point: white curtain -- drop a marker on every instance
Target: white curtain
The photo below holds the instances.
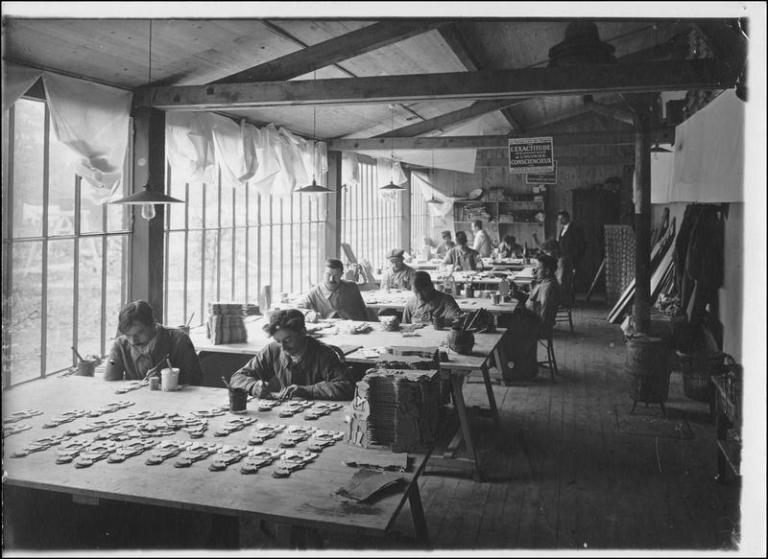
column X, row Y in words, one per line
column 423, row 183
column 93, row 121
column 274, row 161
column 189, row 146
column 350, row 172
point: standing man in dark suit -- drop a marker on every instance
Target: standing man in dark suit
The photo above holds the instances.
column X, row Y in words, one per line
column 571, row 241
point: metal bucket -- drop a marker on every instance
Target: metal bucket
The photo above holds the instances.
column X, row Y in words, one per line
column 647, row 364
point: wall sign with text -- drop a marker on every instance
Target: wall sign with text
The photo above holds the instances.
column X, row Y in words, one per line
column 531, row 155
column 542, row 178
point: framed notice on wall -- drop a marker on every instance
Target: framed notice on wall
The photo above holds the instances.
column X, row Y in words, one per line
column 531, row 155
column 543, row 178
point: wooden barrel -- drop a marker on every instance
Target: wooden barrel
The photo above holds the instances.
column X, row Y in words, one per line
column 647, row 364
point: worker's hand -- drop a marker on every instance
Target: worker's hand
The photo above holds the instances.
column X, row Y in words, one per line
column 293, row 391
column 260, row 389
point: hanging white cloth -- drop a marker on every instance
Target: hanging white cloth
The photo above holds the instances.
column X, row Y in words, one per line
column 189, row 146
column 16, row 81
column 422, row 183
column 350, row 171
column 96, row 131
column 234, row 149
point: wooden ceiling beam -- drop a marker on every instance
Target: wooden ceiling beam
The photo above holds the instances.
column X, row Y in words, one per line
column 334, row 50
column 453, row 36
column 497, row 84
column 454, row 117
column 661, row 134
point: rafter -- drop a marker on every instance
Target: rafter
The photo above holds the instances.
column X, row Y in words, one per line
column 498, row 84
column 454, row 117
column 453, row 36
column 662, row 135
column 334, row 50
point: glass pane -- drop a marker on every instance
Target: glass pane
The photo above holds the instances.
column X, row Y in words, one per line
column 240, row 204
column 117, row 248
column 225, row 264
column 61, row 261
column 24, row 322
column 227, row 207
column 211, row 257
column 117, row 214
column 91, row 212
column 28, row 140
column 177, row 211
column 194, row 277
column 253, row 265
column 61, row 189
column 266, row 205
column 195, row 200
column 241, row 264
column 211, row 205
column 253, row 206
column 89, row 298
column 265, row 264
column 175, row 280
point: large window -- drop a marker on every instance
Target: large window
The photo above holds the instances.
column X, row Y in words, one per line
column 229, row 241
column 64, row 268
column 421, row 220
column 371, row 223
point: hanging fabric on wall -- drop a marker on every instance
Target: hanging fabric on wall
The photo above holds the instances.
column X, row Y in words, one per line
column 96, row 131
column 189, row 146
column 350, row 172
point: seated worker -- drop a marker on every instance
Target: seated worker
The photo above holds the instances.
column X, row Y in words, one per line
column 544, row 296
column 462, row 257
column 335, row 297
column 530, row 322
column 428, row 303
column 399, row 275
column 508, row 248
column 446, row 245
column 144, row 345
column 294, row 364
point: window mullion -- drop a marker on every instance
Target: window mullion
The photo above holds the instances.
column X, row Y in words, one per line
column 8, row 247
column 76, row 271
column 44, row 245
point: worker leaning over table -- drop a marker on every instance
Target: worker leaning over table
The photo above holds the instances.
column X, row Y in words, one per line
column 399, row 275
column 427, row 303
column 144, row 345
column 335, row 297
column 294, row 364
column 461, row 257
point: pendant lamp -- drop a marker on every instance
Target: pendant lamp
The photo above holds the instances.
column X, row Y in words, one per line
column 392, row 185
column 148, row 196
column 314, row 188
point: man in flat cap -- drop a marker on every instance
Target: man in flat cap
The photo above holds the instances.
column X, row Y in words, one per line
column 399, row 275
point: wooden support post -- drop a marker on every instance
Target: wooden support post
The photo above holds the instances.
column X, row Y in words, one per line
column 405, row 220
column 333, row 220
column 147, row 246
column 641, row 310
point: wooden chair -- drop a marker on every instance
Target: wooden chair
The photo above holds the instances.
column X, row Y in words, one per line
column 551, row 362
column 565, row 308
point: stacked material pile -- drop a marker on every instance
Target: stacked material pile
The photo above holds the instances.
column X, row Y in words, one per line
column 396, row 407
column 225, row 323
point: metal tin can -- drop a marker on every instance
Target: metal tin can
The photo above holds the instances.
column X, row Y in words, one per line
column 154, row 383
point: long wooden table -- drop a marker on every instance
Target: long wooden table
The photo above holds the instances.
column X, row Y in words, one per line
column 306, row 499
column 367, row 348
column 398, row 299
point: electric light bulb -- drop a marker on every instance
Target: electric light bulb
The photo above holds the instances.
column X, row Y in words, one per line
column 148, row 211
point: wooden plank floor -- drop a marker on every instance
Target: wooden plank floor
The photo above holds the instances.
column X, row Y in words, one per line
column 564, row 475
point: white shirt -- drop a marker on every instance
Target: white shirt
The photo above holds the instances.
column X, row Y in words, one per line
column 563, row 230
column 482, row 243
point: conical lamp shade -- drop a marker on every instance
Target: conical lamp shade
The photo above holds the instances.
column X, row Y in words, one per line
column 433, row 201
column 313, row 188
column 147, row 197
column 391, row 186
column 658, row 149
